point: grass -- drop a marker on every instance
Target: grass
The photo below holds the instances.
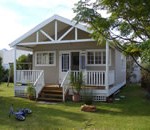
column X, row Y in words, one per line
column 130, row 113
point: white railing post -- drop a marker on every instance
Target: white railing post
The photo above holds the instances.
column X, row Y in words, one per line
column 39, row 83
column 15, row 65
column 85, row 76
column 65, row 84
column 63, row 93
column 27, row 76
column 107, row 67
column 35, row 77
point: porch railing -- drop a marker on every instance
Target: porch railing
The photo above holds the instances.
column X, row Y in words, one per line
column 35, row 77
column 96, row 78
column 65, row 84
column 27, row 76
column 76, row 74
column 39, row 83
column 91, row 78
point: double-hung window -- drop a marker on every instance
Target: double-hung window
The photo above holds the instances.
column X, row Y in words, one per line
column 97, row 57
column 45, row 58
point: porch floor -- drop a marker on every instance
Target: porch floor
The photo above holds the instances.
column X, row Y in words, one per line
column 98, row 87
column 52, row 85
column 88, row 87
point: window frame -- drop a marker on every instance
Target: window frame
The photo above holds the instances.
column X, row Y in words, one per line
column 48, row 52
column 101, row 51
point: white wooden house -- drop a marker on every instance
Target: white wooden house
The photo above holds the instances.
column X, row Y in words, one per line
column 61, row 46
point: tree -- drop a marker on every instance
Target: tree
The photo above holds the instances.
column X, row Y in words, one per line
column 24, row 61
column 3, row 72
column 126, row 24
column 1, row 69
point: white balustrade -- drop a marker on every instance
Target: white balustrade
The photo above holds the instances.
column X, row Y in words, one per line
column 76, row 74
column 65, row 84
column 27, row 76
column 39, row 83
column 91, row 78
column 35, row 77
column 95, row 78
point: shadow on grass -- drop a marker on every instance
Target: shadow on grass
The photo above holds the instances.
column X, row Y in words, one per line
column 48, row 116
column 134, row 104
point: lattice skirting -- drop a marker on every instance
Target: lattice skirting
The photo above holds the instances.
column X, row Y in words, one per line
column 97, row 98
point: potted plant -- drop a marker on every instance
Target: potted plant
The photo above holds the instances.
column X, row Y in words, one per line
column 76, row 82
column 30, row 90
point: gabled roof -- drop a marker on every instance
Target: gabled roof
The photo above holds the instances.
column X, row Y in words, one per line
column 44, row 23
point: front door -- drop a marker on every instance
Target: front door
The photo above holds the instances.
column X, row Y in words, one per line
column 75, row 61
column 64, row 65
column 68, row 61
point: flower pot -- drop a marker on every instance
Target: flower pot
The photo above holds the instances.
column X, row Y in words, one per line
column 31, row 97
column 76, row 98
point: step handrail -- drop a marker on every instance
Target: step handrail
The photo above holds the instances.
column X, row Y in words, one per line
column 65, row 84
column 39, row 83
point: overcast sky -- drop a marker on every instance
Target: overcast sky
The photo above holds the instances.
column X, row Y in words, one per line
column 19, row 16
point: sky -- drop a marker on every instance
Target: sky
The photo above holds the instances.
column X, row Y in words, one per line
column 19, row 16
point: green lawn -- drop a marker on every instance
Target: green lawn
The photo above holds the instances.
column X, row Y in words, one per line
column 131, row 113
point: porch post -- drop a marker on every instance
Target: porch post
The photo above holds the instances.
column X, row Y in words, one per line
column 15, row 66
column 56, row 30
column 107, row 67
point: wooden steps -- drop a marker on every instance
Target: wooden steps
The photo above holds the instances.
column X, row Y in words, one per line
column 51, row 93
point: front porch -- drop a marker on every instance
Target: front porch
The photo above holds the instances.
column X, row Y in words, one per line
column 92, row 79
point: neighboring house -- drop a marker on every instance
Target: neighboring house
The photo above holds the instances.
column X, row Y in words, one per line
column 60, row 46
column 133, row 71
column 136, row 74
column 2, row 56
column 8, row 56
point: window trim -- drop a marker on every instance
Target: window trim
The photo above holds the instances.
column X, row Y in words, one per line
column 97, row 50
column 39, row 52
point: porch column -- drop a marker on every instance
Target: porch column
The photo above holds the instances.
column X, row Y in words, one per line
column 107, row 67
column 56, row 30
column 15, row 66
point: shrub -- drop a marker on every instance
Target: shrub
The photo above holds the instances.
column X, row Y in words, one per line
column 87, row 96
column 31, row 92
column 76, row 82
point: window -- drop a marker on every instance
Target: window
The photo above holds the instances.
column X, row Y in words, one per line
column 90, row 58
column 45, row 58
column 65, row 62
column 51, row 58
column 97, row 57
column 82, row 62
column 104, row 57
